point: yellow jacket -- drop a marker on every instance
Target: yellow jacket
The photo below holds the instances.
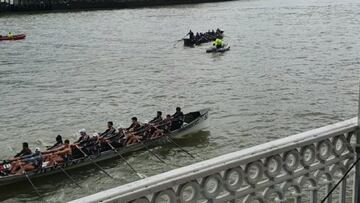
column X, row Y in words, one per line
column 218, row 42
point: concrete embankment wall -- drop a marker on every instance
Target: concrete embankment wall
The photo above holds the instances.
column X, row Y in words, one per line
column 48, row 5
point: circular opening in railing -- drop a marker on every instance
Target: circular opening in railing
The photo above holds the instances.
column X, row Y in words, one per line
column 339, row 143
column 164, row 199
column 189, row 192
column 308, row 155
column 273, row 165
column 292, row 159
column 324, row 149
column 254, row 172
column 167, row 196
column 212, row 186
column 234, row 179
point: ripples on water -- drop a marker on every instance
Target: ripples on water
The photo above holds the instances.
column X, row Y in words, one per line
column 293, row 66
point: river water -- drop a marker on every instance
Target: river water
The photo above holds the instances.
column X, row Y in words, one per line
column 293, row 66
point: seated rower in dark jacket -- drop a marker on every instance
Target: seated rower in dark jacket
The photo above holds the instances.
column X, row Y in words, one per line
column 110, row 131
column 178, row 119
column 59, row 142
column 25, row 151
column 135, row 125
column 132, row 136
column 157, row 119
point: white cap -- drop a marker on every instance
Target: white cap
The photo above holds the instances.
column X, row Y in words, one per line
column 95, row 134
column 82, row 130
column 37, row 149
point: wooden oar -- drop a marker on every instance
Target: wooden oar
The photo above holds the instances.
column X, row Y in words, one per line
column 182, row 149
column 92, row 161
column 177, row 41
column 31, row 183
column 150, row 150
column 132, row 168
column 68, row 175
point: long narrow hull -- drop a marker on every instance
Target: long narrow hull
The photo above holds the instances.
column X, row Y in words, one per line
column 194, row 126
column 15, row 37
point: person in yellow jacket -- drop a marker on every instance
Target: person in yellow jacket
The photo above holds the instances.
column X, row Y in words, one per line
column 218, row 43
column 10, row 35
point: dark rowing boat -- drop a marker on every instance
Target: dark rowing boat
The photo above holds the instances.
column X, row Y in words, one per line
column 205, row 38
column 194, row 122
column 14, row 37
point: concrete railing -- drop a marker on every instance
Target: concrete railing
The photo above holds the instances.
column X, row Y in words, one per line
column 295, row 167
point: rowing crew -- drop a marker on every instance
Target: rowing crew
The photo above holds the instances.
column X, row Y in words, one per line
column 63, row 151
column 200, row 36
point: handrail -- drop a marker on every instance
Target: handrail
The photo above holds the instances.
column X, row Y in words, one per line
column 255, row 157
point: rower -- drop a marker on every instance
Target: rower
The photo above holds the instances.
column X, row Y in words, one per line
column 10, row 35
column 83, row 137
column 218, row 43
column 197, row 36
column 191, row 35
column 61, row 154
column 135, row 125
column 109, row 136
column 109, row 131
column 25, row 151
column 133, row 136
column 59, row 142
column 163, row 128
column 28, row 163
column 178, row 119
column 157, row 119
column 92, row 147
